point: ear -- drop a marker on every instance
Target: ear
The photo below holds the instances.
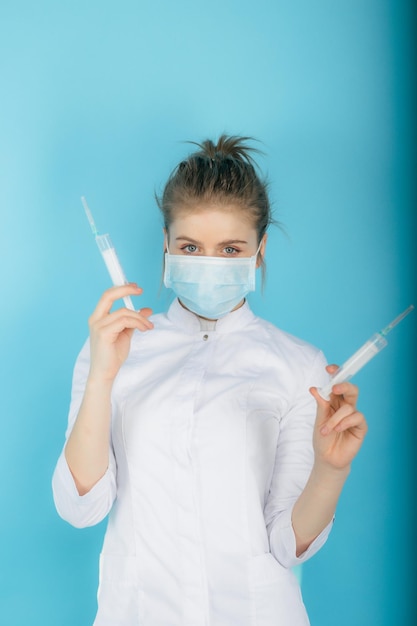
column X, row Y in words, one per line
column 164, row 230
column 261, row 253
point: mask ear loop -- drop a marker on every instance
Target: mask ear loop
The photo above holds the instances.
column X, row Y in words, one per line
column 261, row 265
column 257, row 252
column 161, row 284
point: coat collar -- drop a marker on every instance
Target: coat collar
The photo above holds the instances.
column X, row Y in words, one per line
column 190, row 323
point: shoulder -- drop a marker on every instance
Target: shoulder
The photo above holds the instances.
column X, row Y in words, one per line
column 292, row 364
column 285, row 344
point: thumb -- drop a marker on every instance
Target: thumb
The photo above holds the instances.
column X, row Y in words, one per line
column 322, row 404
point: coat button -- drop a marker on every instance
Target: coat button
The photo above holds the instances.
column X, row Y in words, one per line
column 205, row 337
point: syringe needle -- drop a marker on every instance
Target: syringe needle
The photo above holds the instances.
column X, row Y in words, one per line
column 89, row 216
column 397, row 320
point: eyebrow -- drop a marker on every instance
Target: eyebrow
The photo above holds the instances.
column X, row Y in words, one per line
column 221, row 243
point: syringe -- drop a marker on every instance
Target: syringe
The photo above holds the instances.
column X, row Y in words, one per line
column 109, row 255
column 361, row 357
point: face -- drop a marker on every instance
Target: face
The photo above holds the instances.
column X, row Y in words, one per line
column 213, row 231
column 216, row 232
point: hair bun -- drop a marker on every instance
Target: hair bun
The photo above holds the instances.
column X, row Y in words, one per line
column 227, row 146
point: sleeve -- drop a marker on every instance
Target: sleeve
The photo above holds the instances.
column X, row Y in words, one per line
column 91, row 508
column 293, row 462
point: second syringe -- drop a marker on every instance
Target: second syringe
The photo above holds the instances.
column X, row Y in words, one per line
column 110, row 258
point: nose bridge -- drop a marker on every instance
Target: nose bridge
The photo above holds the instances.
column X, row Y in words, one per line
column 210, row 251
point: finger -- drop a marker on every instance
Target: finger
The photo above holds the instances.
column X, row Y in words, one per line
column 321, row 402
column 122, row 316
column 349, row 392
column 110, row 296
column 355, row 420
column 146, row 312
column 330, row 424
column 332, row 368
column 125, row 321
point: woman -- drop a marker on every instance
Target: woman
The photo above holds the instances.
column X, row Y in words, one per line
column 203, row 434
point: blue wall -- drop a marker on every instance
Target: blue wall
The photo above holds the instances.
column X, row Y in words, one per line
column 96, row 98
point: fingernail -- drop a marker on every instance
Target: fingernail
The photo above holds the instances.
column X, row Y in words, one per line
column 324, row 430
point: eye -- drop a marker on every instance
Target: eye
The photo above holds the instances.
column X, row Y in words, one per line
column 190, row 248
column 230, row 250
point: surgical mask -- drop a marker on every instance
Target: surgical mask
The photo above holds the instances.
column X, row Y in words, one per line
column 210, row 286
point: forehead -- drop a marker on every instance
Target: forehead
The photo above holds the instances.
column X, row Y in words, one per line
column 211, row 218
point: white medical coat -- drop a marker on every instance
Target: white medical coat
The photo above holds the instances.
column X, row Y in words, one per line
column 211, row 445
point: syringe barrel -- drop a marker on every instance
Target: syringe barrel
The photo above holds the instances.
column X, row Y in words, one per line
column 113, row 265
column 104, row 243
column 360, row 358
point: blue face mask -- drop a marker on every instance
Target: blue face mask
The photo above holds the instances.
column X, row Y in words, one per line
column 210, row 286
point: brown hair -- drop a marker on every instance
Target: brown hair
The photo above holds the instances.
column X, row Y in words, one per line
column 221, row 173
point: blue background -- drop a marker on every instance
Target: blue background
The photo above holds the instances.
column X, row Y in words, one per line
column 96, row 99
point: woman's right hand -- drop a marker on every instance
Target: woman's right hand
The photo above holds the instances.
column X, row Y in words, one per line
column 111, row 332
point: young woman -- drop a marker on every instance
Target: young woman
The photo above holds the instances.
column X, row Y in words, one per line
column 203, row 435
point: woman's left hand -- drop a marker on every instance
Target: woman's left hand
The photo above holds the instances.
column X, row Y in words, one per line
column 340, row 429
